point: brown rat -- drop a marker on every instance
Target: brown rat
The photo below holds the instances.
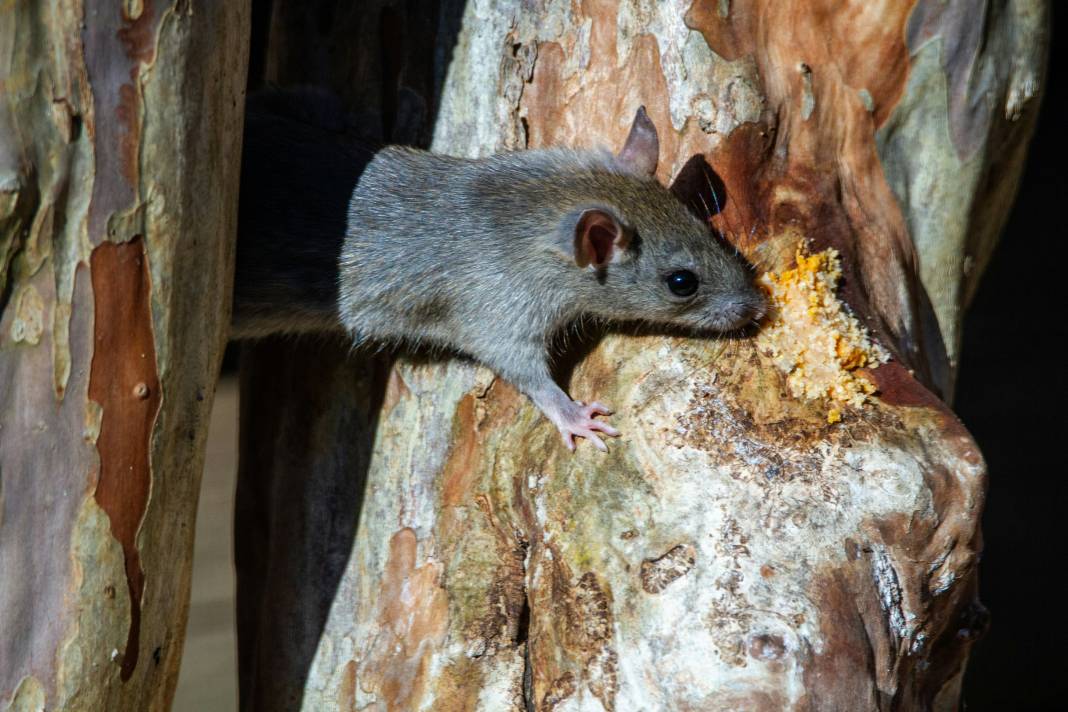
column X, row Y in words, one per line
column 494, row 257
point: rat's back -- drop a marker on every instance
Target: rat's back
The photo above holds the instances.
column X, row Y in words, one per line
column 441, row 249
column 403, row 264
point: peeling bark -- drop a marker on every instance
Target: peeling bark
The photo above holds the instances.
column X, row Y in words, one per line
column 119, row 139
column 734, row 550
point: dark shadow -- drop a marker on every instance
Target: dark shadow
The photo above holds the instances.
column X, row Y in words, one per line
column 307, row 422
column 300, row 165
column 1011, row 393
column 329, row 81
column 308, row 415
column 260, row 23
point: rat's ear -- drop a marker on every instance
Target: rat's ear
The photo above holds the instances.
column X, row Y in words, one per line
column 642, row 149
column 599, row 238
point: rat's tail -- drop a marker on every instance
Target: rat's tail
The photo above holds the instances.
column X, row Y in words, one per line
column 300, row 165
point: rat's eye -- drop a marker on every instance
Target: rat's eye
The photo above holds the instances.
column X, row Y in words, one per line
column 682, row 283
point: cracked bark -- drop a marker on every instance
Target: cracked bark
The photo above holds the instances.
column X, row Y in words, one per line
column 413, row 536
column 119, row 139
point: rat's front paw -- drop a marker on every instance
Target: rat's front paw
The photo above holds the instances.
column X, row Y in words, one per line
column 578, row 421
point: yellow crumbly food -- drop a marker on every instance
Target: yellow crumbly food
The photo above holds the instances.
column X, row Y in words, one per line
column 814, row 338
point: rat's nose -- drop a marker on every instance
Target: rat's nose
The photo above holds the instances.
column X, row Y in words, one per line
column 741, row 310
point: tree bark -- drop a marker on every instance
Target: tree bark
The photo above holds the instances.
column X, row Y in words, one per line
column 120, row 129
column 736, row 549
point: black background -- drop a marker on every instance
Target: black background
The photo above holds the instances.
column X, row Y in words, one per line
column 1011, row 394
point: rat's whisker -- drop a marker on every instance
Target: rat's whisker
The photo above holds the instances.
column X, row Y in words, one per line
column 708, row 212
column 715, row 198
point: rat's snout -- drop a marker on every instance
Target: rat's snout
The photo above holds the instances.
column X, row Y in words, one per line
column 757, row 303
column 738, row 310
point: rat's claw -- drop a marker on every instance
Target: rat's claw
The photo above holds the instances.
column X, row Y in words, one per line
column 603, row 428
column 588, row 433
column 569, row 439
column 597, row 442
column 597, row 409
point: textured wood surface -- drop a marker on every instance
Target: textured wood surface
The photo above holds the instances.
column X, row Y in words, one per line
column 119, row 140
column 734, row 550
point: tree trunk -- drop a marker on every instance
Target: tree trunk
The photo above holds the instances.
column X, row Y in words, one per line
column 119, row 141
column 756, row 539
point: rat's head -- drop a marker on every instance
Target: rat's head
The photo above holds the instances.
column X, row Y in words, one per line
column 652, row 259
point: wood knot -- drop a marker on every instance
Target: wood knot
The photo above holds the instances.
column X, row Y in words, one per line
column 657, row 573
column 766, row 647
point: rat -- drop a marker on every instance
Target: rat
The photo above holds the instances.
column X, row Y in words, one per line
column 491, row 257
